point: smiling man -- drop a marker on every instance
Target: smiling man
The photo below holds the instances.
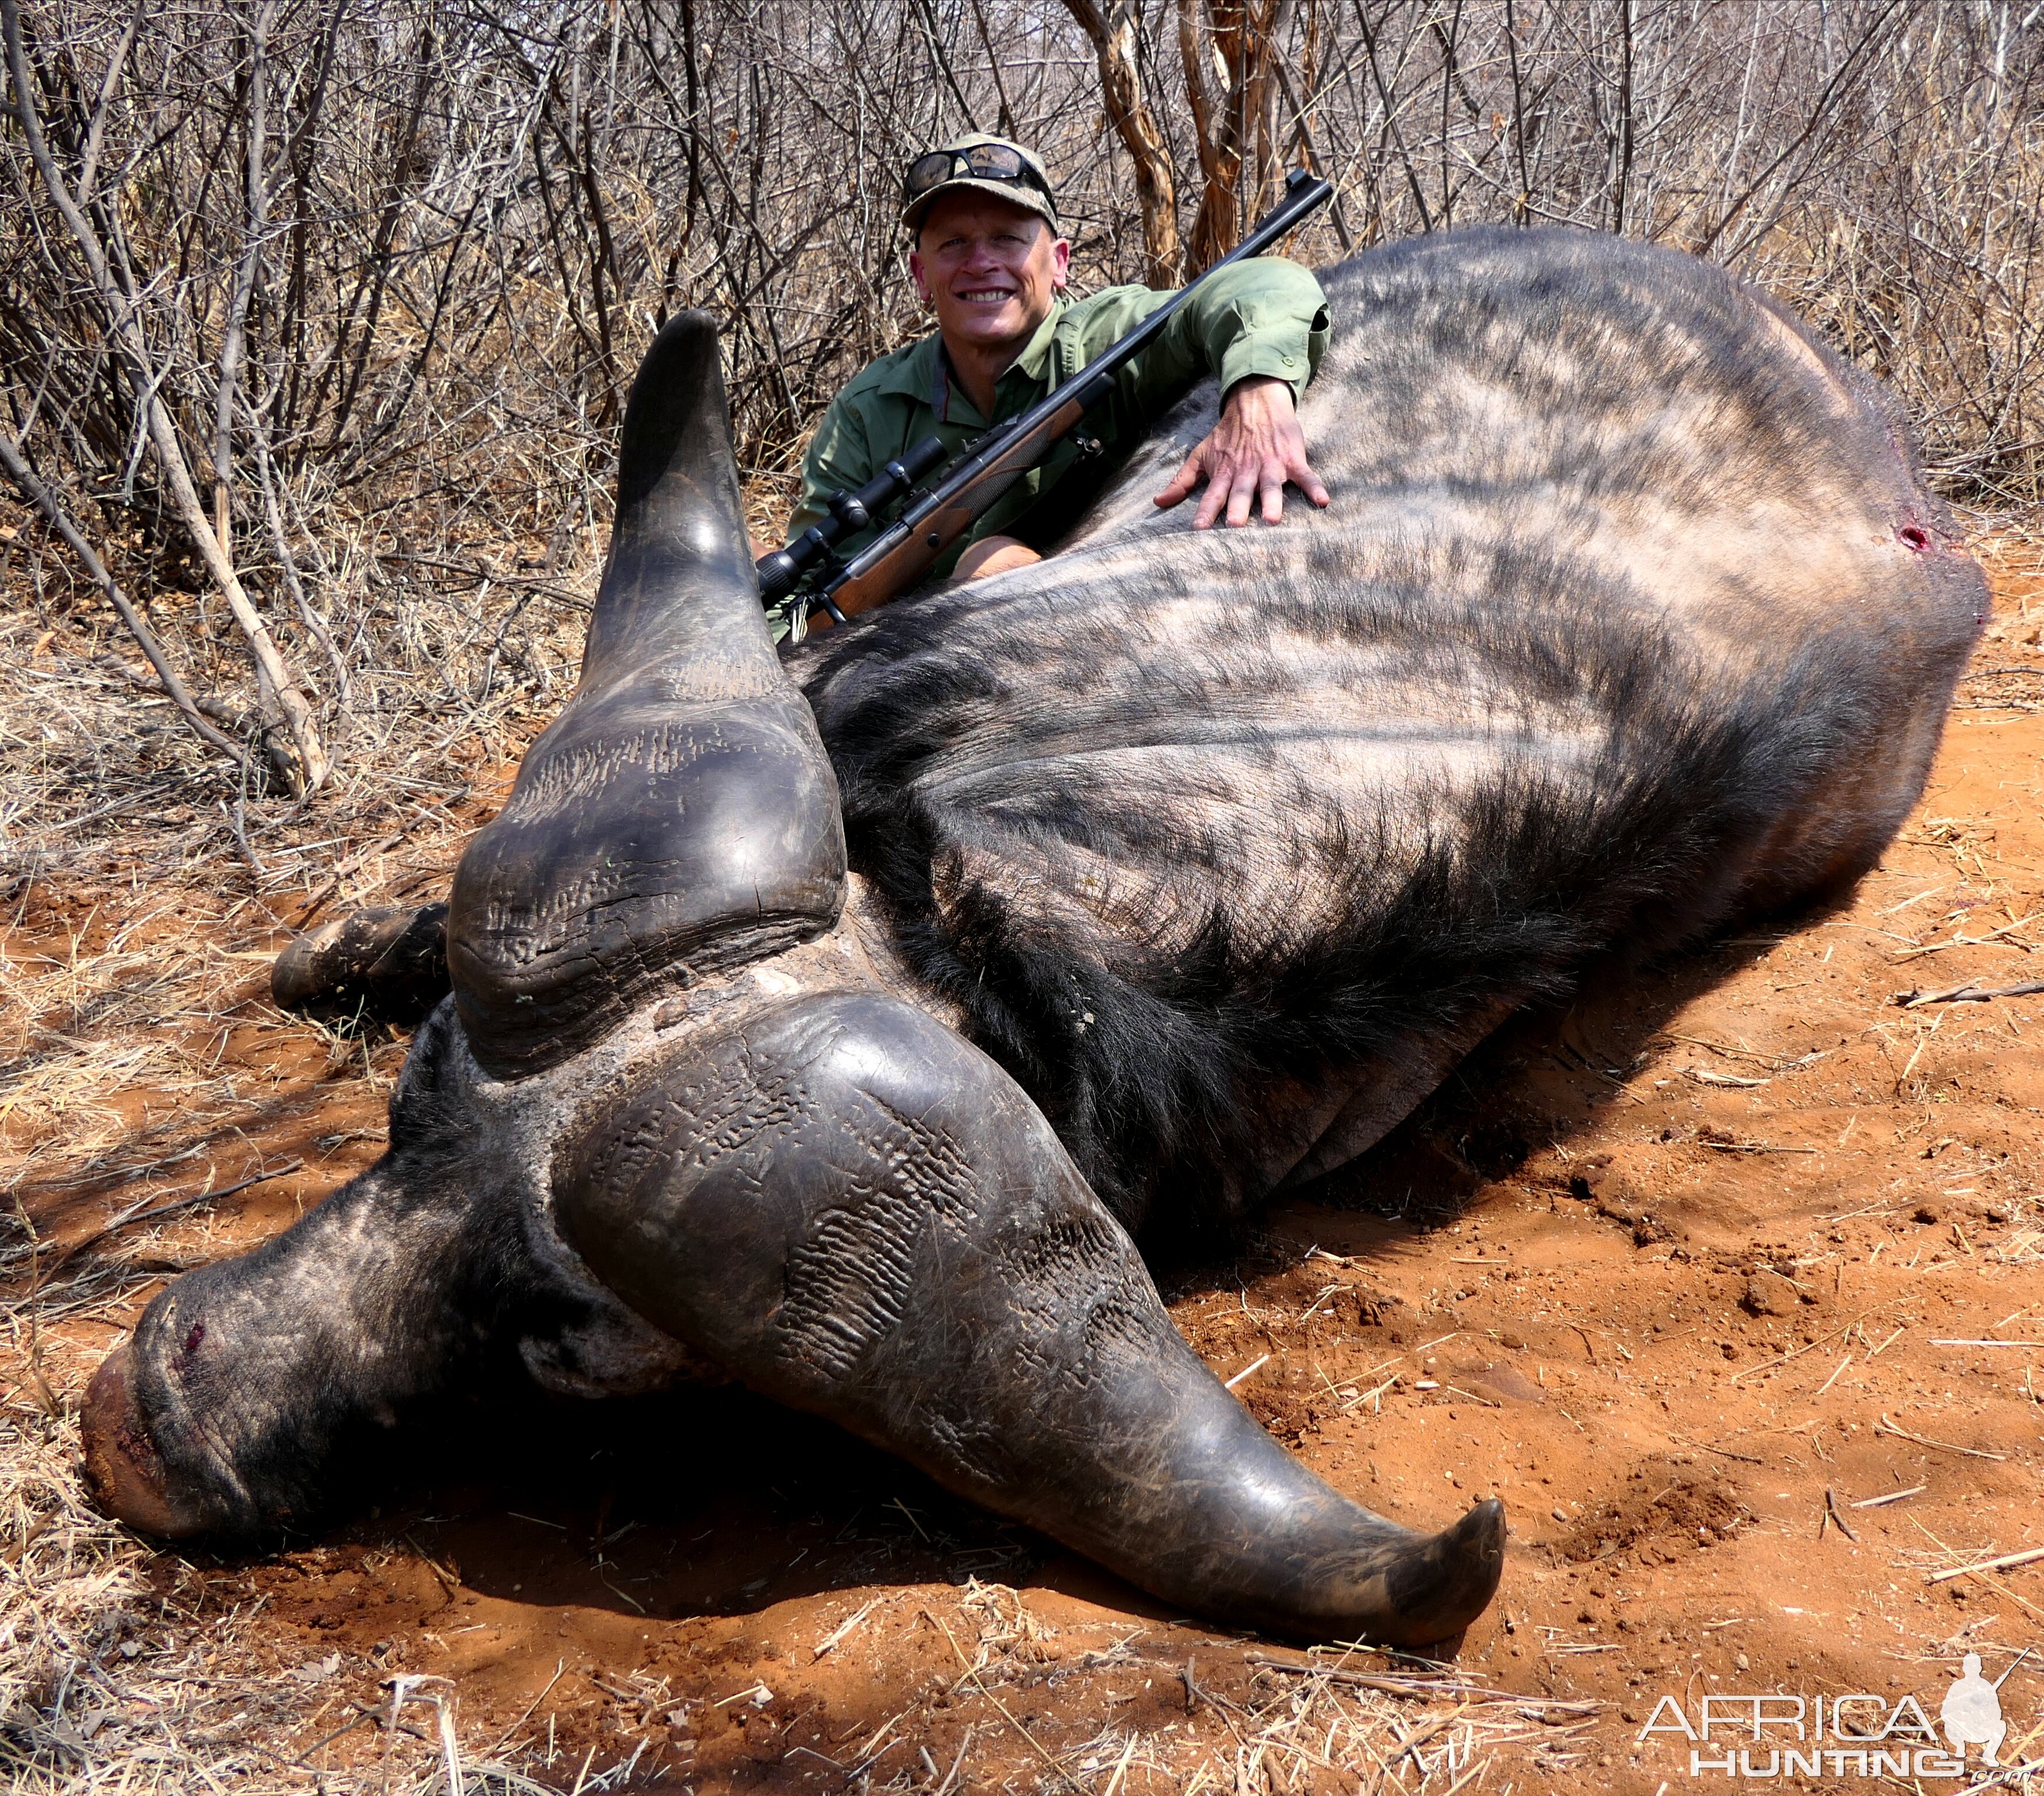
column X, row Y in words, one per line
column 988, row 258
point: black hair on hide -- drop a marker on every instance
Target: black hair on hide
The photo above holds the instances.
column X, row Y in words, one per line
column 1631, row 616
column 1427, row 901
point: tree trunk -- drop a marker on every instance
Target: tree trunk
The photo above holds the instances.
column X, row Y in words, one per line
column 1113, row 36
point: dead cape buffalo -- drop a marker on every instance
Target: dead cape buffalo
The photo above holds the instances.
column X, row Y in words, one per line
column 837, row 1022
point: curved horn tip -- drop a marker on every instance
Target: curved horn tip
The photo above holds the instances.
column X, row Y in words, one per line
column 685, row 340
column 676, row 409
column 1450, row 1581
column 686, row 345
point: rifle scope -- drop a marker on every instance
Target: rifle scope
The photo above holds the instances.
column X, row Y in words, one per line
column 782, row 571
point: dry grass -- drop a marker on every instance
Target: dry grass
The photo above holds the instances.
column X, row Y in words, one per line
column 121, row 1670
column 142, row 907
column 1337, row 1711
column 388, row 272
column 118, row 1671
column 106, row 1682
column 135, row 945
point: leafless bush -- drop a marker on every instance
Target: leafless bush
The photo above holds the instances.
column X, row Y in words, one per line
column 315, row 319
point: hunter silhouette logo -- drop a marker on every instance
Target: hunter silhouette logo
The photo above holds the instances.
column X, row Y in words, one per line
column 1972, row 1713
column 1775, row 1735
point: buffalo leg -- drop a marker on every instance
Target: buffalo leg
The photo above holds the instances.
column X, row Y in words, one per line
column 380, row 965
column 861, row 1215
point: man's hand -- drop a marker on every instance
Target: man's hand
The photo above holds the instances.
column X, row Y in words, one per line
column 1255, row 448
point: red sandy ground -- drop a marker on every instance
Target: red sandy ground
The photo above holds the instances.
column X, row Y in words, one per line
column 1661, row 1273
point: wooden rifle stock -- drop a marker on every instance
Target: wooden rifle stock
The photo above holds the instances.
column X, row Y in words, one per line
column 901, row 556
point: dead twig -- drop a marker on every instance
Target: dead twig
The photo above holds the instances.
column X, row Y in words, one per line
column 2001, row 1565
column 1831, row 1509
column 1968, row 994
column 1884, row 1426
column 39, row 495
column 170, row 1207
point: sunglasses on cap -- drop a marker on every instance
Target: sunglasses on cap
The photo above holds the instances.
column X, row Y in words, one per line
column 983, row 162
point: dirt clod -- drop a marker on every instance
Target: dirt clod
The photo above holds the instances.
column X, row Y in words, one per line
column 1769, row 1294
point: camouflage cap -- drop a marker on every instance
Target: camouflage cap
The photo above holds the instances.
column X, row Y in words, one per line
column 984, row 164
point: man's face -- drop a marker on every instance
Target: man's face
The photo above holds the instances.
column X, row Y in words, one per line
column 992, row 270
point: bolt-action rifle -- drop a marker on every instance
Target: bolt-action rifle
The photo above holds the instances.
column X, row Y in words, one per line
column 931, row 521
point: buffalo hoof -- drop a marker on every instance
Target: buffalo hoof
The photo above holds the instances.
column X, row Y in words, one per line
column 377, row 965
column 121, row 1466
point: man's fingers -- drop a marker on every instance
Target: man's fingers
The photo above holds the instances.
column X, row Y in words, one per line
column 1272, row 488
column 1299, row 470
column 1242, row 492
column 1183, row 481
column 1243, row 476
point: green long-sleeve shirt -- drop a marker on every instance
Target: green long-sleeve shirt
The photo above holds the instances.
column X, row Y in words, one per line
column 1266, row 316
